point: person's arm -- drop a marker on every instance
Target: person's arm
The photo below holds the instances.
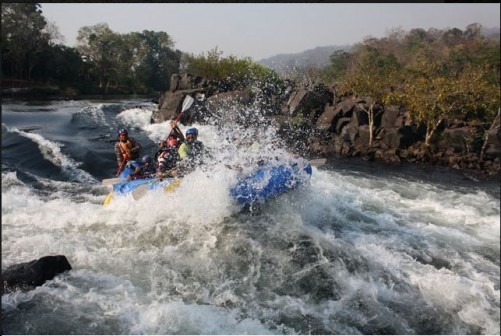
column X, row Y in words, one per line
column 160, row 164
column 136, row 147
column 118, row 153
column 137, row 170
column 176, row 130
column 179, row 134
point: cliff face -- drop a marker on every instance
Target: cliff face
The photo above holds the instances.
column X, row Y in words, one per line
column 314, row 122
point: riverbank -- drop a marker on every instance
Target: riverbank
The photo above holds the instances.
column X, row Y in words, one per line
column 32, row 96
column 24, row 90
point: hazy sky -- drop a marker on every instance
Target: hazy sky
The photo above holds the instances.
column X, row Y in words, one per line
column 261, row 30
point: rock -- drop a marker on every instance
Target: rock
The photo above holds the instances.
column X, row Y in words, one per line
column 170, row 105
column 329, row 118
column 33, row 273
column 392, row 118
column 231, row 107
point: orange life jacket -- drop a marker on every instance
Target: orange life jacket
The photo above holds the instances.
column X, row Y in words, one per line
column 126, row 147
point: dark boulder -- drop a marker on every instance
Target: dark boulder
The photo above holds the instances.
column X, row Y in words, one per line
column 170, row 105
column 329, row 118
column 33, row 273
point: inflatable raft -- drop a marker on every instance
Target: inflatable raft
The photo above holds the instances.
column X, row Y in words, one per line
column 265, row 183
column 268, row 183
column 126, row 187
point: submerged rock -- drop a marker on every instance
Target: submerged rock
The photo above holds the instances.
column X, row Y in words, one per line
column 33, row 273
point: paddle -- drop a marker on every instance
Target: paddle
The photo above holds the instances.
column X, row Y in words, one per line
column 173, row 186
column 114, row 180
column 186, row 105
column 142, row 189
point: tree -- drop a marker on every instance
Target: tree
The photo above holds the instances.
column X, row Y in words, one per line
column 157, row 60
column 23, row 38
column 59, row 64
column 374, row 75
column 238, row 73
column 339, row 61
column 433, row 94
column 98, row 45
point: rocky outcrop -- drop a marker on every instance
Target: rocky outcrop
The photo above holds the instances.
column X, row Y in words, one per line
column 34, row 273
column 314, row 122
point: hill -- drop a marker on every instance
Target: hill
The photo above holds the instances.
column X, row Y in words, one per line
column 318, row 57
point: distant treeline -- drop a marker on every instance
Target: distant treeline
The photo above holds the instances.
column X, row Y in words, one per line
column 104, row 62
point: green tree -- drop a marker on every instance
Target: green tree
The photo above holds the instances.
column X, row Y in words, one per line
column 23, row 38
column 237, row 72
column 59, row 64
column 138, row 62
column 98, row 45
column 156, row 60
column 339, row 61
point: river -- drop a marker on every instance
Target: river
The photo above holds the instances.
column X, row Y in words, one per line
column 361, row 249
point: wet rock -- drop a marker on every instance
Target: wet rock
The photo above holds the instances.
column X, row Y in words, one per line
column 33, row 273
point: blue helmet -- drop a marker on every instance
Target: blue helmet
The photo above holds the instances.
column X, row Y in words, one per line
column 146, row 159
column 192, row 131
column 122, row 130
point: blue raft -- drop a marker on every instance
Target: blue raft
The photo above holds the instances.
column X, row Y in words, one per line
column 267, row 183
column 262, row 185
column 126, row 187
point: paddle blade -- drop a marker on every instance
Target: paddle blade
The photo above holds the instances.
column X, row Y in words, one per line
column 173, row 186
column 114, row 180
column 140, row 191
column 107, row 200
column 318, row 162
column 187, row 103
column 143, row 188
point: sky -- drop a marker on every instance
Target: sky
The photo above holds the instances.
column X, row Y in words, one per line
column 262, row 30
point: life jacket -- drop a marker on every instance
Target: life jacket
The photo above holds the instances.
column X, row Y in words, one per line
column 126, row 147
column 168, row 158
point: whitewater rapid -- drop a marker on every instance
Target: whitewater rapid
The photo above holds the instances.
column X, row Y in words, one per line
column 353, row 252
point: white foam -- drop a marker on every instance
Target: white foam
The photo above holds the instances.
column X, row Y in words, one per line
column 96, row 114
column 181, row 318
column 135, row 117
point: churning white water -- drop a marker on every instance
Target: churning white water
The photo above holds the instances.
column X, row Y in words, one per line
column 353, row 252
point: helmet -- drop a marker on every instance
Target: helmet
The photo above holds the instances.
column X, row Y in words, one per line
column 192, row 131
column 122, row 130
column 146, row 159
column 171, row 142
